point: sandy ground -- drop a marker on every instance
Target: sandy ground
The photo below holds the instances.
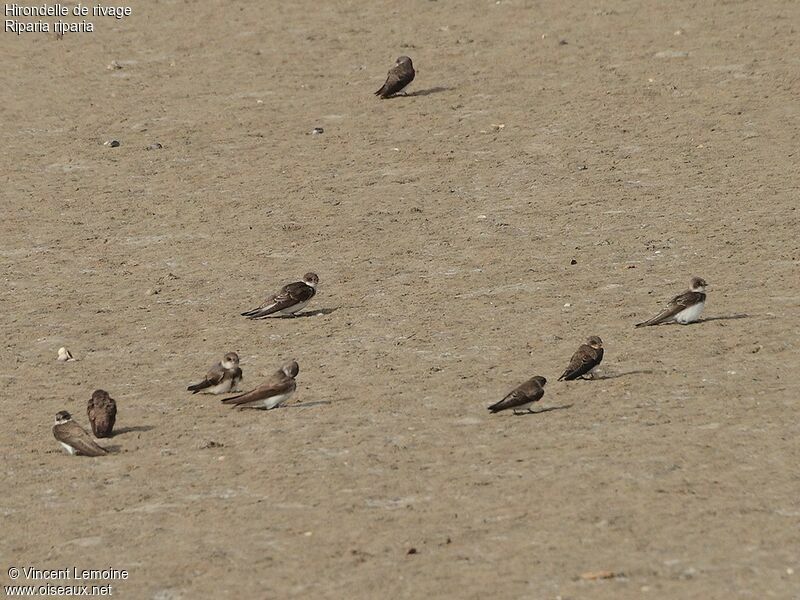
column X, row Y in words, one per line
column 646, row 140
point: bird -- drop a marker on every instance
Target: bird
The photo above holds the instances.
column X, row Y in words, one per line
column 585, row 359
column 102, row 412
column 223, row 377
column 291, row 299
column 74, row 438
column 683, row 308
column 522, row 397
column 398, row 78
column 272, row 393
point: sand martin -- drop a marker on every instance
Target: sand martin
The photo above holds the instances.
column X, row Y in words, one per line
column 684, row 308
column 583, row 362
column 398, row 78
column 64, row 355
column 272, row 393
column 102, row 412
column 291, row 299
column 74, row 438
column 523, row 397
column 223, row 377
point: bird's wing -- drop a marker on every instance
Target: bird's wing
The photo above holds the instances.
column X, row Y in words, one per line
column 291, row 294
column 676, row 305
column 527, row 392
column 277, row 385
column 74, row 435
column 584, row 360
column 214, row 376
column 396, row 80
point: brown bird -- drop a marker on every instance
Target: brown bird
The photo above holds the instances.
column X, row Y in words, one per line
column 683, row 308
column 272, row 393
column 398, row 78
column 102, row 412
column 292, row 298
column 583, row 362
column 74, row 438
column 523, row 397
column 223, row 377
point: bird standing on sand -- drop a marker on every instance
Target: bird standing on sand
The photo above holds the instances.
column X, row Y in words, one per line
column 223, row 377
column 291, row 299
column 522, row 397
column 102, row 412
column 683, row 308
column 584, row 361
column 398, row 78
column 74, row 438
column 272, row 393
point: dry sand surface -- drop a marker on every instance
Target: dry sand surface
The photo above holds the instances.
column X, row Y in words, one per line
column 647, row 141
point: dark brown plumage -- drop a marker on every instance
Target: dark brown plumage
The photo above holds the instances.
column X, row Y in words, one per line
column 398, row 78
column 289, row 300
column 522, row 397
column 102, row 412
column 587, row 357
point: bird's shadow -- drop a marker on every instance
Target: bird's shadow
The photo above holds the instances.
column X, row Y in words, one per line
column 724, row 318
column 308, row 313
column 429, row 91
column 134, row 429
column 113, row 448
column 623, row 374
column 308, row 404
column 543, row 410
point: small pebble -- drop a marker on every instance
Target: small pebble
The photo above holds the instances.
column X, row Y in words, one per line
column 412, row 551
column 152, row 291
column 567, row 305
column 211, row 444
column 64, row 355
column 112, row 143
column 317, row 131
column 155, row 146
column 573, row 262
column 113, row 66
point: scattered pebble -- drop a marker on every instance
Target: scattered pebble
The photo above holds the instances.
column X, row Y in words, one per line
column 582, row 167
column 64, row 355
column 412, row 551
column 562, row 42
column 317, row 131
column 573, row 262
column 211, row 444
column 112, row 143
column 155, row 146
column 567, row 305
column 152, row 291
column 498, row 126
column 113, row 66
column 593, row 575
